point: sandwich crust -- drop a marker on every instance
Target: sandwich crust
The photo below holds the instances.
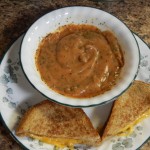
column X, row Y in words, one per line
column 48, row 119
column 128, row 107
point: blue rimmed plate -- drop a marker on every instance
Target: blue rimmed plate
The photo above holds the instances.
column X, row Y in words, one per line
column 17, row 95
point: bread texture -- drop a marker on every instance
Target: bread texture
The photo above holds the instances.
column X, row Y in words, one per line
column 128, row 107
column 52, row 120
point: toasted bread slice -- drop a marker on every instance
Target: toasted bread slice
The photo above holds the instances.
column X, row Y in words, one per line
column 58, row 125
column 128, row 110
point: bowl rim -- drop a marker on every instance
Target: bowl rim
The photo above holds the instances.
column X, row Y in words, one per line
column 87, row 105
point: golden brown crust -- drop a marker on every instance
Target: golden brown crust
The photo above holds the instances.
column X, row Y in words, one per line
column 56, row 121
column 128, row 107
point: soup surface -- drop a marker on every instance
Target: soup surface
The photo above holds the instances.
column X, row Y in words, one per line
column 79, row 60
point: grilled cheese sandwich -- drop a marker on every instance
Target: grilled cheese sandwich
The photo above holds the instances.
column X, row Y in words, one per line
column 130, row 128
column 129, row 109
column 58, row 125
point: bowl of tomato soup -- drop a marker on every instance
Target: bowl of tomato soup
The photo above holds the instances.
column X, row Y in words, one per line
column 78, row 58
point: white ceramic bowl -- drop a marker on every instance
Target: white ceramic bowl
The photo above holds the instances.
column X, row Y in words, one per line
column 80, row 15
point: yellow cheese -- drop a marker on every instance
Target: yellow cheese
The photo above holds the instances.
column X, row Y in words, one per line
column 129, row 129
column 59, row 142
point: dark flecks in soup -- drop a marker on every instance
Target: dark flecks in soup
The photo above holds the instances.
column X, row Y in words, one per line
column 79, row 60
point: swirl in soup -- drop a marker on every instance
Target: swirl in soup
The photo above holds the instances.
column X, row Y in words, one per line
column 79, row 60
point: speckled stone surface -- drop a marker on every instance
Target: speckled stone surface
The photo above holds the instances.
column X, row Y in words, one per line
column 16, row 16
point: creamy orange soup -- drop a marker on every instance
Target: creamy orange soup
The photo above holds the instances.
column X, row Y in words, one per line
column 79, row 60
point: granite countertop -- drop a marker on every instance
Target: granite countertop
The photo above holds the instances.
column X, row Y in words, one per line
column 16, row 16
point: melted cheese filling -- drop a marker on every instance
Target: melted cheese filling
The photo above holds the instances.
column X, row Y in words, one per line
column 59, row 142
column 129, row 129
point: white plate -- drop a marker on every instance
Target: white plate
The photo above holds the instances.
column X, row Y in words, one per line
column 16, row 95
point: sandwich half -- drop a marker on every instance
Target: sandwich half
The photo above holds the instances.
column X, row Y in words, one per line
column 128, row 110
column 58, row 125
